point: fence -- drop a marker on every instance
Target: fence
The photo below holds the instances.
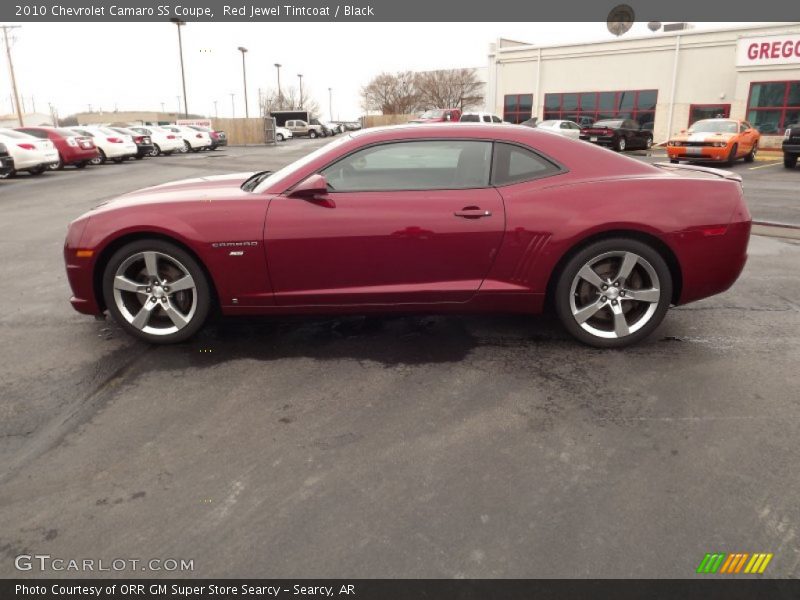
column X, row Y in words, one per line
column 380, row 120
column 242, row 131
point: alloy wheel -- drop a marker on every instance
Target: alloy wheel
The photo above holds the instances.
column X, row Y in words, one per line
column 614, row 294
column 155, row 293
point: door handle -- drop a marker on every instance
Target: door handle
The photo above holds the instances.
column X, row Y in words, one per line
column 472, row 213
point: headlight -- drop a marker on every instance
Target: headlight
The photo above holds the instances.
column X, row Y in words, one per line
column 719, row 144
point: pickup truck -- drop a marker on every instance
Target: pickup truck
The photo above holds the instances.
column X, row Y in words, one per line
column 791, row 146
column 302, row 128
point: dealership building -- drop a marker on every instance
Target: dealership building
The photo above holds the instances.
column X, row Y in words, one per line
column 664, row 81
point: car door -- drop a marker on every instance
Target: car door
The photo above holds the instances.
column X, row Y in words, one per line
column 403, row 222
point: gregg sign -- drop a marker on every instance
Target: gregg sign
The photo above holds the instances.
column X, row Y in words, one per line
column 768, row 50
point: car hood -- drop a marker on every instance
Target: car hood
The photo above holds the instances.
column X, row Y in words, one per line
column 702, row 136
column 206, row 189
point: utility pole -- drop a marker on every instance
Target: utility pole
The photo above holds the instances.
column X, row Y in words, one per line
column 243, row 50
column 11, row 70
column 300, row 77
column 330, row 102
column 233, row 106
column 280, row 96
column 216, row 112
column 179, row 24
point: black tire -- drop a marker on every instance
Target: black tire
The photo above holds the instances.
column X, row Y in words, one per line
column 789, row 160
column 172, row 252
column 59, row 165
column 155, row 151
column 732, row 155
column 621, row 144
column 674, row 161
column 279, row 137
column 101, row 158
column 139, row 156
column 186, row 146
column 37, row 170
column 312, row 134
column 118, row 160
column 82, row 164
column 751, row 156
column 603, row 317
column 648, row 143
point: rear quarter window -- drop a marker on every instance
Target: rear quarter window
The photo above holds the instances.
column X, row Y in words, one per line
column 515, row 164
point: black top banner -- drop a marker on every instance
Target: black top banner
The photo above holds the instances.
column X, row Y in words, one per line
column 403, row 589
column 265, row 11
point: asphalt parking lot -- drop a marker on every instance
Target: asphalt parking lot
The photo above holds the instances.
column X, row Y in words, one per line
column 392, row 447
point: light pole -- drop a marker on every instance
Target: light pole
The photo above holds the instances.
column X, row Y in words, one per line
column 216, row 113
column 11, row 70
column 330, row 102
column 179, row 24
column 300, row 77
column 163, row 110
column 280, row 96
column 243, row 50
column 233, row 106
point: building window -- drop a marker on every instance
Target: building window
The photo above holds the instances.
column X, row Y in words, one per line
column 708, row 111
column 587, row 107
column 517, row 107
column 774, row 105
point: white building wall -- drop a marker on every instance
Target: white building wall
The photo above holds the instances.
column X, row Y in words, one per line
column 706, row 71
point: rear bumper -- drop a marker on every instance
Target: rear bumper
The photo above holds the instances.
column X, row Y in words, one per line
column 144, row 149
column 78, row 155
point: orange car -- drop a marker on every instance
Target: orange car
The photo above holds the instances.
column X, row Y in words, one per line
column 715, row 140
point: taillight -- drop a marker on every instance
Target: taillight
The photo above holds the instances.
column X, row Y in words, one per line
column 71, row 141
column 27, row 146
column 199, row 135
column 114, row 140
column 139, row 139
column 170, row 137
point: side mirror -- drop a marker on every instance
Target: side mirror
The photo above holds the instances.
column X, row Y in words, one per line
column 311, row 186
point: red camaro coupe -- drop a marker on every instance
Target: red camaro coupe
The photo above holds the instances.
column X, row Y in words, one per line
column 441, row 218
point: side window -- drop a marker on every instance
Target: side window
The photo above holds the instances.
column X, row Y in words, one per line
column 37, row 133
column 496, row 119
column 513, row 164
column 487, row 119
column 416, row 165
column 565, row 125
column 742, row 127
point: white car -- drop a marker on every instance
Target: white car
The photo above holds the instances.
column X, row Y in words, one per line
column 282, row 134
column 193, row 139
column 480, row 117
column 568, row 129
column 30, row 153
column 164, row 141
column 111, row 145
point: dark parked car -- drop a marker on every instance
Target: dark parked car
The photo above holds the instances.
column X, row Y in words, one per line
column 6, row 162
column 73, row 148
column 791, row 146
column 218, row 138
column 144, row 145
column 516, row 218
column 620, row 134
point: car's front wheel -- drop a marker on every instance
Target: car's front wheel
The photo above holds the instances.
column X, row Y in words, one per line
column 57, row 166
column 100, row 158
column 621, row 144
column 613, row 293
column 156, row 291
column 789, row 160
column 279, row 137
column 751, row 156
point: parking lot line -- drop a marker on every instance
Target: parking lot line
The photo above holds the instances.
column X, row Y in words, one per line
column 764, row 166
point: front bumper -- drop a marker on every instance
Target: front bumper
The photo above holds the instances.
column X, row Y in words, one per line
column 699, row 153
column 791, row 147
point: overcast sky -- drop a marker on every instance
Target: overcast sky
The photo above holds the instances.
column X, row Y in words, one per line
column 134, row 66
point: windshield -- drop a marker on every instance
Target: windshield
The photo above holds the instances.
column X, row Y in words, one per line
column 432, row 114
column 714, row 126
column 298, row 164
column 14, row 134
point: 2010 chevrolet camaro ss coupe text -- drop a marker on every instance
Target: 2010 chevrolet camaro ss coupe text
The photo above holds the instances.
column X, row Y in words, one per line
column 423, row 218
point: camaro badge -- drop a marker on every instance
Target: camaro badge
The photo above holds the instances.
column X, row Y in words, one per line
column 232, row 244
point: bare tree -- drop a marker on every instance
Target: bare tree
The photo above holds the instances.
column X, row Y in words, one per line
column 289, row 99
column 449, row 88
column 392, row 94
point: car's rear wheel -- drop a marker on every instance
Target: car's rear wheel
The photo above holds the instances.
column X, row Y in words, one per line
column 674, row 161
column 648, row 142
column 186, row 146
column 59, row 165
column 156, row 291
column 82, row 164
column 613, row 293
column 155, row 151
column 100, row 158
column 312, row 134
column 621, row 144
column 789, row 160
column 37, row 170
column 751, row 156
